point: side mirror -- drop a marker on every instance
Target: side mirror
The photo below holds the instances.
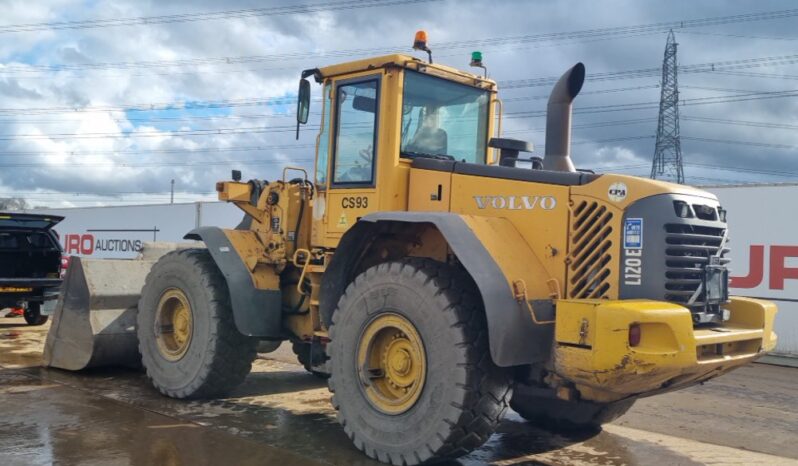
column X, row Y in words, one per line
column 302, row 104
column 303, row 101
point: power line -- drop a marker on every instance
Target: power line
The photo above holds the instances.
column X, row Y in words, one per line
column 739, row 36
column 200, row 163
column 116, row 135
column 484, row 42
column 207, row 16
column 103, row 193
column 633, row 106
column 181, row 106
column 748, row 170
column 159, row 106
column 6, row 153
column 526, row 114
column 755, row 124
column 750, row 74
column 708, row 67
column 596, row 92
column 719, row 89
column 743, row 143
column 507, row 84
column 600, row 124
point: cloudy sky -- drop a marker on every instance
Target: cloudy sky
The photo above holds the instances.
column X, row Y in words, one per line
column 105, row 102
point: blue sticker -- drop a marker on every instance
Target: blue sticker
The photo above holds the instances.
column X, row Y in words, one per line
column 633, row 233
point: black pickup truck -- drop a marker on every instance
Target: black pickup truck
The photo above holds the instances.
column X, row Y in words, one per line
column 30, row 263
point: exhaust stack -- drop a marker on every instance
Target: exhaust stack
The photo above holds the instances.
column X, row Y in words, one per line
column 558, row 120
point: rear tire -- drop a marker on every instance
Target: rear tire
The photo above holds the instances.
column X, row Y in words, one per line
column 33, row 314
column 457, row 399
column 566, row 416
column 210, row 357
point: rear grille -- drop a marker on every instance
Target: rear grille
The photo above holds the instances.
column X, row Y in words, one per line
column 687, row 250
column 590, row 253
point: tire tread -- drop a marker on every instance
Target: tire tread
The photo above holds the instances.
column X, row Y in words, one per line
column 231, row 353
column 487, row 388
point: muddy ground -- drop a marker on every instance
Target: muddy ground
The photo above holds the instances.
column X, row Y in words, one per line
column 281, row 415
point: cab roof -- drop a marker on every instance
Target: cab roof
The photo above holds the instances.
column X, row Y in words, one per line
column 406, row 61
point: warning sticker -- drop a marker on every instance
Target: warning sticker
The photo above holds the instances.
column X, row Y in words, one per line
column 633, row 233
column 343, row 222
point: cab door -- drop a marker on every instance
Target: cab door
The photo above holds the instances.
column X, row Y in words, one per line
column 352, row 190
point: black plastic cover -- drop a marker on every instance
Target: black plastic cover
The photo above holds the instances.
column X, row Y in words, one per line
column 508, row 173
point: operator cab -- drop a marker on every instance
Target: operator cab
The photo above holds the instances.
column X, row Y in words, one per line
column 381, row 114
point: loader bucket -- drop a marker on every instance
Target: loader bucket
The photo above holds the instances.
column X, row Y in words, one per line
column 94, row 322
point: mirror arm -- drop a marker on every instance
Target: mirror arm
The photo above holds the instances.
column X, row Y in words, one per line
column 315, row 72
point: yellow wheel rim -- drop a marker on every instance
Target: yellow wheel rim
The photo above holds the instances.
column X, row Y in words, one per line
column 392, row 363
column 173, row 324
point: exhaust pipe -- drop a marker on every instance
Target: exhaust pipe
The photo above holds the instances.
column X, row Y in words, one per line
column 558, row 120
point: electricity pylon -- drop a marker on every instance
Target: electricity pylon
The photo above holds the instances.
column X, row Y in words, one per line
column 667, row 164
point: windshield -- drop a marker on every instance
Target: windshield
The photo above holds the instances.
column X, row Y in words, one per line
column 443, row 118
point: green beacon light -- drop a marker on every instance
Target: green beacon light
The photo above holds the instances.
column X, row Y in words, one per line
column 476, row 61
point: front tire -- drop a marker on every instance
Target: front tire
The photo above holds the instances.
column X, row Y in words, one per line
column 566, row 416
column 33, row 315
column 411, row 373
column 188, row 340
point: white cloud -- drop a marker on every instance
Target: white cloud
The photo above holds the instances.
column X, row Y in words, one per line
column 63, row 165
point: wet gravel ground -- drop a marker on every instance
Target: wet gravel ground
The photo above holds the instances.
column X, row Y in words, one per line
column 281, row 415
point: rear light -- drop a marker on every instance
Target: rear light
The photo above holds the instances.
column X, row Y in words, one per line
column 634, row 335
column 65, row 260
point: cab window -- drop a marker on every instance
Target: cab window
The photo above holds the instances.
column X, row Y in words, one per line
column 356, row 131
column 441, row 118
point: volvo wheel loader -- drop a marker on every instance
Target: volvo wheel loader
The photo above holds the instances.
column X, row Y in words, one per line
column 437, row 272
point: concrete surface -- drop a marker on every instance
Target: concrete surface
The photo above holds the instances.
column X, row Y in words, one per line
column 281, row 415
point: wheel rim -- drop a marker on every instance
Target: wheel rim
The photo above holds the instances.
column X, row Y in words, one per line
column 173, row 324
column 392, row 363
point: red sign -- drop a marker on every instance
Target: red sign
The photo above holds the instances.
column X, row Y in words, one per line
column 79, row 244
column 86, row 244
column 778, row 270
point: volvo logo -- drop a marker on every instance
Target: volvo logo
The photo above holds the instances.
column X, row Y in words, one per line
column 516, row 202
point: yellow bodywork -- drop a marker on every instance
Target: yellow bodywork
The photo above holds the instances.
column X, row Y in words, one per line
column 537, row 234
column 592, row 350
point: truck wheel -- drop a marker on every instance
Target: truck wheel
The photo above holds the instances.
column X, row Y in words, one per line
column 411, row 373
column 312, row 357
column 188, row 340
column 33, row 314
column 560, row 415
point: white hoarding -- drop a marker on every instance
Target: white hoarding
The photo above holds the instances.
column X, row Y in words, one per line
column 118, row 232
column 763, row 229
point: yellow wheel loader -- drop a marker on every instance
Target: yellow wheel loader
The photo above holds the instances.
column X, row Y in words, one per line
column 436, row 272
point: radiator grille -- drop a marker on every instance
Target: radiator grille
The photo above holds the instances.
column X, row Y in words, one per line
column 687, row 250
column 590, row 253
